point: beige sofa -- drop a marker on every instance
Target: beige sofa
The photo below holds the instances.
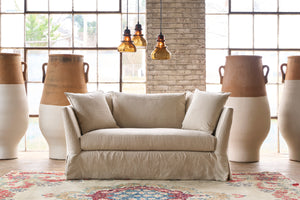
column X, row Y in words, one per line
column 150, row 137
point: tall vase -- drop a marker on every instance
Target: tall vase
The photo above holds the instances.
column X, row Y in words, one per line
column 13, row 104
column 289, row 107
column 244, row 78
column 65, row 73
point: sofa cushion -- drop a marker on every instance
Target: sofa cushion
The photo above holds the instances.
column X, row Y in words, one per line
column 92, row 111
column 143, row 139
column 204, row 111
column 149, row 110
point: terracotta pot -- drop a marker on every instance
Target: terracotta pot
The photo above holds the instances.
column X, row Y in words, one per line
column 289, row 107
column 244, row 78
column 13, row 104
column 65, row 73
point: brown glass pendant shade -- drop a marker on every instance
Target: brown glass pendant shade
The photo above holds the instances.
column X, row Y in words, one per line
column 127, row 45
column 161, row 52
column 138, row 38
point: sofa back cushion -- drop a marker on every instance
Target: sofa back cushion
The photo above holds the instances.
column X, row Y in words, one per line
column 149, row 110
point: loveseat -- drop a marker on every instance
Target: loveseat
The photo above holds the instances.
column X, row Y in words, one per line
column 147, row 136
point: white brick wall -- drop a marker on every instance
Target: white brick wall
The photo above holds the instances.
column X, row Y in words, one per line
column 184, row 31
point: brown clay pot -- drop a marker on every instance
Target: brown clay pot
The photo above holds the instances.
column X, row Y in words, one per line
column 65, row 73
column 13, row 107
column 244, row 78
column 289, row 107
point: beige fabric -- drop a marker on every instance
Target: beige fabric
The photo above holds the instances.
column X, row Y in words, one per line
column 188, row 100
column 148, row 139
column 146, row 165
column 92, row 111
column 149, row 110
column 204, row 111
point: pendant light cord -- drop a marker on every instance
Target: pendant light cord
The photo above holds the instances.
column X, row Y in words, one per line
column 138, row 11
column 127, row 15
column 161, row 17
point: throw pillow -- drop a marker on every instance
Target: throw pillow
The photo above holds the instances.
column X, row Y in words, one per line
column 92, row 111
column 204, row 111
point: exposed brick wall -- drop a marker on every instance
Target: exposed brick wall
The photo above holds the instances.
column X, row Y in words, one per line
column 184, row 31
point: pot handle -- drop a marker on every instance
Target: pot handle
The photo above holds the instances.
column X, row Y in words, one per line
column 220, row 73
column 283, row 73
column 24, row 71
column 44, row 72
column 86, row 73
column 266, row 76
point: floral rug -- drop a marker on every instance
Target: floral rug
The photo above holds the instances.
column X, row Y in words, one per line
column 52, row 185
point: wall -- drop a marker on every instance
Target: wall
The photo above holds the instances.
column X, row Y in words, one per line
column 184, row 31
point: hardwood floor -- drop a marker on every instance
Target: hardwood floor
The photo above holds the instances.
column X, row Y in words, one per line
column 39, row 161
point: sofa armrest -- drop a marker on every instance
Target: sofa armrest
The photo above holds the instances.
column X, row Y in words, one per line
column 223, row 130
column 72, row 130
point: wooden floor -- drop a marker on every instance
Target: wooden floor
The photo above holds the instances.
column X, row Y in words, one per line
column 39, row 161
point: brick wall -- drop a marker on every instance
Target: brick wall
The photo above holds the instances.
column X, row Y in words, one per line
column 184, row 31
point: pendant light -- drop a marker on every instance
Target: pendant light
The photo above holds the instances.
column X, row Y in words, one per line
column 160, row 52
column 127, row 45
column 138, row 39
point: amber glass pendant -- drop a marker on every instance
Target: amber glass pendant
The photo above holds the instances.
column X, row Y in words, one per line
column 127, row 45
column 160, row 52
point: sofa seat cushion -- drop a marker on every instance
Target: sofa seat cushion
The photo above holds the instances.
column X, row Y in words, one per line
column 145, row 139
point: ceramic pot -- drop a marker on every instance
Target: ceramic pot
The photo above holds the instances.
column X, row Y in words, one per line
column 289, row 107
column 65, row 73
column 244, row 78
column 13, row 104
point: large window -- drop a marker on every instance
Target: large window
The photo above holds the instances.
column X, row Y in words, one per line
column 93, row 28
column 253, row 27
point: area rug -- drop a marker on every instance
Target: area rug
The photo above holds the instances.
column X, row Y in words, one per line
column 52, row 185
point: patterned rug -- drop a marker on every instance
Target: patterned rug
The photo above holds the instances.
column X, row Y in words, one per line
column 52, row 185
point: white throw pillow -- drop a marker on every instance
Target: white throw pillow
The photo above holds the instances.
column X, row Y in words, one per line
column 204, row 111
column 92, row 111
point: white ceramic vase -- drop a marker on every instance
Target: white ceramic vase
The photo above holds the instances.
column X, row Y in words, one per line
column 65, row 73
column 289, row 107
column 244, row 78
column 13, row 104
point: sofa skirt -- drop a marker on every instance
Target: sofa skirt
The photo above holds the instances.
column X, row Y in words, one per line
column 184, row 165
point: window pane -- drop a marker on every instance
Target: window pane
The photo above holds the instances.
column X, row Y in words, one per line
column 90, row 57
column 109, row 66
column 134, row 66
column 109, row 87
column 216, row 31
column 12, row 30
column 214, row 59
column 241, row 6
column 59, row 5
column 134, row 88
column 61, row 30
column 133, row 6
column 37, row 5
column 273, row 98
column 92, row 87
column 109, row 30
column 132, row 21
column 289, row 5
column 111, row 5
column 270, row 143
column 216, row 6
column 36, row 30
column 265, row 5
column 241, row 31
column 35, row 60
column 265, row 31
column 289, row 33
column 270, row 58
column 12, row 6
column 242, row 53
column 34, row 138
column 61, row 52
column 214, row 87
column 34, row 94
column 85, row 30
column 88, row 5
